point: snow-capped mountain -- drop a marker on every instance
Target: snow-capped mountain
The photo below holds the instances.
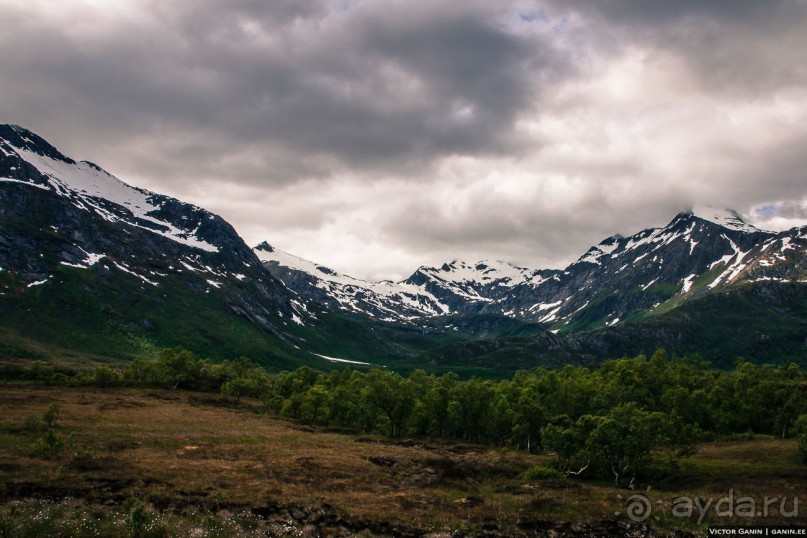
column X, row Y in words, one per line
column 456, row 287
column 92, row 264
column 67, row 223
column 28, row 160
column 700, row 251
column 387, row 301
column 476, row 287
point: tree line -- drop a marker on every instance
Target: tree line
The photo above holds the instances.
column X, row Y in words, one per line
column 624, row 417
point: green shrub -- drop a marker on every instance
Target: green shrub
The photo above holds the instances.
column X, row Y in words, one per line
column 137, row 520
column 49, row 445
column 800, row 430
column 9, row 522
column 31, row 423
column 59, row 378
column 51, row 414
column 39, row 370
column 541, row 472
column 104, row 376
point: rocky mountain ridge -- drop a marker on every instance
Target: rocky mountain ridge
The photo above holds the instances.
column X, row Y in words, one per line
column 66, row 224
column 701, row 251
column 91, row 264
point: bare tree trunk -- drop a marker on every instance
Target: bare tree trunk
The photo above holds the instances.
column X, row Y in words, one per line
column 579, row 471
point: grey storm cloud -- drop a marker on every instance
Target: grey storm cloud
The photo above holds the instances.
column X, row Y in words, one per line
column 390, row 86
column 741, row 46
column 660, row 12
column 411, row 132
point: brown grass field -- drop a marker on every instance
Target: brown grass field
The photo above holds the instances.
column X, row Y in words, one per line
column 143, row 462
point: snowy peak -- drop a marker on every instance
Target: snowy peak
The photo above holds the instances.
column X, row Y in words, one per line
column 26, row 158
column 727, row 218
column 14, row 136
column 469, row 288
column 100, row 222
column 654, row 270
column 271, row 255
column 481, row 272
column 604, row 248
column 690, row 227
column 471, row 277
column 388, row 301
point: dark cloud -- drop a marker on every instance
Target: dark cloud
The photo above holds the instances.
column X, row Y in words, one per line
column 386, row 86
column 661, row 12
column 730, row 46
column 423, row 128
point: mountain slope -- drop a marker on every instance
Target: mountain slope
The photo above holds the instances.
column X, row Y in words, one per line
column 89, row 262
column 699, row 252
column 659, row 269
column 386, row 300
column 763, row 322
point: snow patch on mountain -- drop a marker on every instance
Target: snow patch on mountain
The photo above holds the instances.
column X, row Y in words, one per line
column 89, row 260
column 391, row 301
column 687, row 283
column 726, row 218
column 126, row 269
column 343, row 361
column 693, row 244
column 90, row 188
column 27, row 183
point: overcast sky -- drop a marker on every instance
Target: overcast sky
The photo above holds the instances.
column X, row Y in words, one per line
column 376, row 136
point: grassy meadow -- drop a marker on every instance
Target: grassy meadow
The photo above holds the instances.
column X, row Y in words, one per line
column 156, row 462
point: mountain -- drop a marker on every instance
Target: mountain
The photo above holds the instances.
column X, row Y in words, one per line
column 706, row 283
column 88, row 262
column 454, row 288
column 387, row 301
column 699, row 252
column 93, row 267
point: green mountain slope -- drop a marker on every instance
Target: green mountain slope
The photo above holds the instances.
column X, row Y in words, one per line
column 762, row 322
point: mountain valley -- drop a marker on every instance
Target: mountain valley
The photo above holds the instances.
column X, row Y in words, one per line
column 93, row 265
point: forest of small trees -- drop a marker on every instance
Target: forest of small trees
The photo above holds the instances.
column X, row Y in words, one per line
column 625, row 418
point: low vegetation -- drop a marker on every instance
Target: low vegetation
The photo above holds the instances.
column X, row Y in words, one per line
column 629, row 418
column 800, row 428
column 176, row 444
column 161, row 462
